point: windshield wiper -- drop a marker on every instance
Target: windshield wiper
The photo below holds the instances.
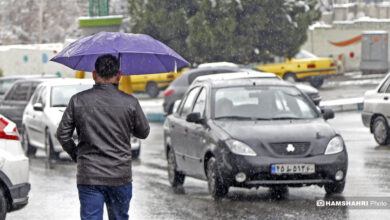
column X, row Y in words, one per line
column 234, row 117
column 59, row 105
column 285, row 118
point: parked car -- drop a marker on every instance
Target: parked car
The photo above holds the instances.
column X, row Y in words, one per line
column 14, row 168
column 16, row 99
column 376, row 111
column 304, row 66
column 44, row 112
column 248, row 132
column 176, row 90
column 7, row 81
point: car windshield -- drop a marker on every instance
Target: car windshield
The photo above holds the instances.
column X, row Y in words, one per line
column 5, row 85
column 262, row 103
column 60, row 95
column 303, row 54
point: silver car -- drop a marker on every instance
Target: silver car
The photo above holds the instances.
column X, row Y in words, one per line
column 376, row 111
column 43, row 114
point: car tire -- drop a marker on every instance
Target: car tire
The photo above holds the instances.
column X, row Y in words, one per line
column 175, row 177
column 380, row 129
column 135, row 154
column 334, row 188
column 316, row 82
column 290, row 77
column 152, row 89
column 3, row 204
column 28, row 149
column 51, row 155
column 217, row 188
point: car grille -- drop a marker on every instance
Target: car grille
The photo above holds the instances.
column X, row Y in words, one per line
column 291, row 149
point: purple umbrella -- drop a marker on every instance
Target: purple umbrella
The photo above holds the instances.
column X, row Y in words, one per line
column 138, row 53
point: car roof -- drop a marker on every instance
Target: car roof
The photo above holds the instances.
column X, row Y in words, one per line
column 218, row 64
column 67, row 81
column 28, row 76
column 241, row 78
column 200, row 69
column 32, row 80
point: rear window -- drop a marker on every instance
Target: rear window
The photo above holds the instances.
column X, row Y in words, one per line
column 19, row 92
column 5, row 84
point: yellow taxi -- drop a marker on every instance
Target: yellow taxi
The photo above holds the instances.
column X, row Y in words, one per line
column 152, row 84
column 302, row 67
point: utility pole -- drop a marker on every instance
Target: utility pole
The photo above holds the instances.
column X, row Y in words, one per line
column 40, row 20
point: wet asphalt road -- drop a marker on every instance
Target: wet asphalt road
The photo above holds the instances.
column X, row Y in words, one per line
column 54, row 193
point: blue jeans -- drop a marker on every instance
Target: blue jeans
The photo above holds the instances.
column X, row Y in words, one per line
column 92, row 199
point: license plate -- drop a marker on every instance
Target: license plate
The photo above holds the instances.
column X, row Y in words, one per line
column 292, row 168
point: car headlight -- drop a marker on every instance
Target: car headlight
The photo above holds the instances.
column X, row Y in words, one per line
column 335, row 145
column 240, row 148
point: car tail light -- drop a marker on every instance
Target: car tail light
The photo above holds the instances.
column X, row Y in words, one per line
column 168, row 92
column 311, row 65
column 8, row 130
column 333, row 64
column 170, row 76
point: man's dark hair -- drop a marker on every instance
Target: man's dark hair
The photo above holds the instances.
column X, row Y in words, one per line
column 107, row 66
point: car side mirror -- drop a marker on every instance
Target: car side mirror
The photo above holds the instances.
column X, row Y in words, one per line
column 194, row 117
column 38, row 107
column 327, row 113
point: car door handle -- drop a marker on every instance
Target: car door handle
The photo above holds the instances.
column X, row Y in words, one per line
column 386, row 98
column 185, row 130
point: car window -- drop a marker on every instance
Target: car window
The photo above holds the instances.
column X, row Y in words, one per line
column 188, row 103
column 42, row 96
column 200, row 103
column 262, row 102
column 60, row 95
column 5, row 85
column 20, row 92
column 303, row 54
column 36, row 94
column 385, row 86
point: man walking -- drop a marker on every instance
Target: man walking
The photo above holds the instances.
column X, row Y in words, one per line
column 104, row 118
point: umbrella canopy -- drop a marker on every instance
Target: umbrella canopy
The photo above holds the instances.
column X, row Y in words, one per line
column 138, row 53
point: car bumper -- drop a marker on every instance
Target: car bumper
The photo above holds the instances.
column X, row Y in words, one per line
column 366, row 118
column 19, row 195
column 258, row 170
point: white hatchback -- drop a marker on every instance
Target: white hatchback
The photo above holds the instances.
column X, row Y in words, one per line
column 43, row 114
column 376, row 111
column 14, row 166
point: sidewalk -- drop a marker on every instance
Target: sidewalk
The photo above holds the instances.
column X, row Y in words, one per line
column 154, row 110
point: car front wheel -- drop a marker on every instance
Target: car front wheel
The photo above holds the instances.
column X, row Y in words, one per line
column 175, row 178
column 217, row 188
column 3, row 204
column 51, row 155
column 381, row 130
column 334, row 188
column 28, row 149
column 316, row 82
column 135, row 153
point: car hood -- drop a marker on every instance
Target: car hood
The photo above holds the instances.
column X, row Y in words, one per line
column 263, row 136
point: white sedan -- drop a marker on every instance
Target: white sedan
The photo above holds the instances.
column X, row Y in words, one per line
column 376, row 111
column 14, row 166
column 43, row 114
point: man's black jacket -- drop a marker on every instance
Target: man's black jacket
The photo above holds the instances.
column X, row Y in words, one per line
column 104, row 118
